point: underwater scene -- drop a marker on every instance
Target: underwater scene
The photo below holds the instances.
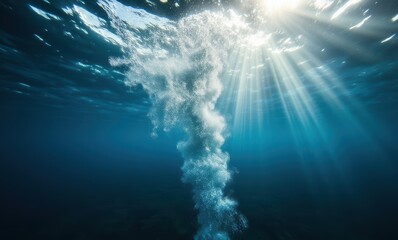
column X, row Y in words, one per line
column 199, row 119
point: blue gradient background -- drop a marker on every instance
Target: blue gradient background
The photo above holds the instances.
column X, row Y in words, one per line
column 77, row 169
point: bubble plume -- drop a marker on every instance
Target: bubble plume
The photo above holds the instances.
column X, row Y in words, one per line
column 178, row 63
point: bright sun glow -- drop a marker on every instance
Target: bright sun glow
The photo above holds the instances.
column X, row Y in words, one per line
column 274, row 6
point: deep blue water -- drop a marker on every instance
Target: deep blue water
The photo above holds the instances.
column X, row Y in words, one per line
column 77, row 160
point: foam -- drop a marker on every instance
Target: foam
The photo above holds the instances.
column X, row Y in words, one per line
column 178, row 64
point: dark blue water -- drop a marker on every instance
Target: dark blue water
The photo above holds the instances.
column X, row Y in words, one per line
column 77, row 160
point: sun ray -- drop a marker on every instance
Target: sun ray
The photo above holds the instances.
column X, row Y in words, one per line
column 286, row 65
